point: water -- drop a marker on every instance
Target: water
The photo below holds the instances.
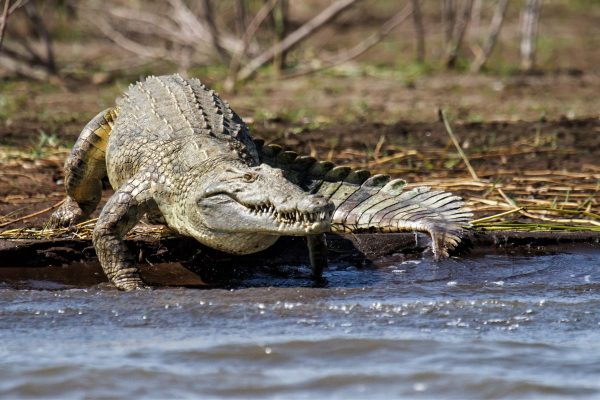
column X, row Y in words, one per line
column 490, row 327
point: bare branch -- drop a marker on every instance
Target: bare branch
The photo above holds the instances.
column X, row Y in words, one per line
column 363, row 46
column 295, row 37
column 189, row 24
column 152, row 23
column 280, row 25
column 494, row 31
column 27, row 62
column 241, row 17
column 448, row 19
column 17, row 4
column 529, row 26
column 42, row 32
column 419, row 30
column 31, row 57
column 234, row 65
column 476, row 12
column 209, row 19
column 458, row 34
column 172, row 29
column 195, row 29
column 24, row 69
column 4, row 20
column 126, row 43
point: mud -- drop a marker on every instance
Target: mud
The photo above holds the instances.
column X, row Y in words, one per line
column 184, row 262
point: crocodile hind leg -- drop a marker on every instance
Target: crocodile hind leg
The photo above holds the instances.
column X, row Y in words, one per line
column 122, row 211
column 84, row 169
column 317, row 252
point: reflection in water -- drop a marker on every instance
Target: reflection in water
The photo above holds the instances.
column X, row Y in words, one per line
column 486, row 327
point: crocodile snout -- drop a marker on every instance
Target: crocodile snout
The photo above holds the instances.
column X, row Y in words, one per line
column 315, row 204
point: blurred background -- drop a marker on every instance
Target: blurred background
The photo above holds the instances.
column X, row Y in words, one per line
column 315, row 60
column 358, row 82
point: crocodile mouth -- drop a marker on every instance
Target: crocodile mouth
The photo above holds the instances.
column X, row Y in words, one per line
column 285, row 221
column 289, row 218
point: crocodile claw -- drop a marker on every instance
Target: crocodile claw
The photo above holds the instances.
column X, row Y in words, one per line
column 69, row 213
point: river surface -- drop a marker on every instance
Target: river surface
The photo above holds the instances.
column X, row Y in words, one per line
column 488, row 327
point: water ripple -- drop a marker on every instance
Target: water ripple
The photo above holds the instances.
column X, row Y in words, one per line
column 493, row 327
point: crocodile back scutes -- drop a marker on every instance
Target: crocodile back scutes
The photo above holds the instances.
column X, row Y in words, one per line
column 173, row 107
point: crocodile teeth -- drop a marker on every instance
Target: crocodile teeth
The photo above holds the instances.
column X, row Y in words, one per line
column 287, row 218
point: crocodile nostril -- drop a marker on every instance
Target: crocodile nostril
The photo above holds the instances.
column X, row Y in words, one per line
column 319, row 200
column 315, row 203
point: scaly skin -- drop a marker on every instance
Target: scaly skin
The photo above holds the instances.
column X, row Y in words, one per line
column 173, row 150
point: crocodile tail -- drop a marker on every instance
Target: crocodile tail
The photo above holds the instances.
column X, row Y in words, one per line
column 86, row 165
column 377, row 207
column 375, row 203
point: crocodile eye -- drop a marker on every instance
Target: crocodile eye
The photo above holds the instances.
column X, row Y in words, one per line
column 249, row 177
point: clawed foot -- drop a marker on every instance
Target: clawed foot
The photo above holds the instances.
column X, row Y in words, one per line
column 68, row 214
column 129, row 285
column 442, row 241
column 128, row 279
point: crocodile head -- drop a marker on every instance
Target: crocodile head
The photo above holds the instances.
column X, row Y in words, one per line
column 255, row 205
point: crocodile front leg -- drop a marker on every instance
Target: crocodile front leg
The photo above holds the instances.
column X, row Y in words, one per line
column 122, row 211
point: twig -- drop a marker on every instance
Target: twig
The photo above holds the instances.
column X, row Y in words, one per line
column 126, row 43
column 18, row 174
column 496, row 216
column 419, row 30
column 193, row 30
column 378, row 147
column 494, row 31
column 529, row 26
column 383, row 160
column 280, row 26
column 442, row 117
column 35, row 214
column 241, row 17
column 22, row 68
column 151, row 23
column 215, row 38
column 476, row 17
column 508, row 200
column 234, row 64
column 361, row 47
column 3, row 22
column 458, row 34
column 17, row 4
column 295, row 37
column 448, row 19
column 38, row 24
column 32, row 65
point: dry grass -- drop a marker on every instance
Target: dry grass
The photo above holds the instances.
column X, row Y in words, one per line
column 501, row 199
column 83, row 231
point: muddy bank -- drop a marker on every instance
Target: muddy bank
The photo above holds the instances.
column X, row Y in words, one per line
column 185, row 262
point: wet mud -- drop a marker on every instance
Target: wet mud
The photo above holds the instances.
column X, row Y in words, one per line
column 181, row 261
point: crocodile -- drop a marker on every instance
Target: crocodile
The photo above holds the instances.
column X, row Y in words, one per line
column 175, row 153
